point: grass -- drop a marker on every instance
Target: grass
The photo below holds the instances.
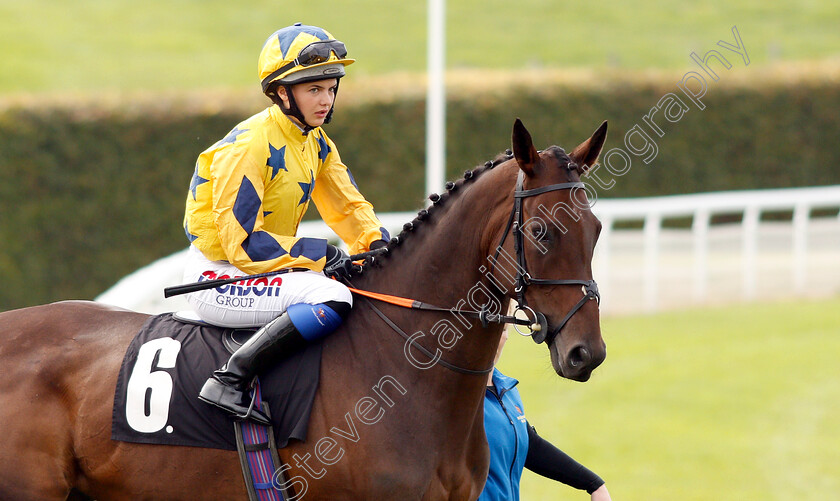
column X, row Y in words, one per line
column 94, row 45
column 737, row 403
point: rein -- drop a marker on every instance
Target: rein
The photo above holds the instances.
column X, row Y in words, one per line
column 483, row 315
column 410, row 339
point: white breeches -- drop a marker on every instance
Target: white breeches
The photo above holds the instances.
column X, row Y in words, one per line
column 255, row 302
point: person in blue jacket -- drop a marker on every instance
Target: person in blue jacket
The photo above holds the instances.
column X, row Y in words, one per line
column 515, row 444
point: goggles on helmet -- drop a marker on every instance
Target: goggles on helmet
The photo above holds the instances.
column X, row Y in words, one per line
column 314, row 53
column 318, row 52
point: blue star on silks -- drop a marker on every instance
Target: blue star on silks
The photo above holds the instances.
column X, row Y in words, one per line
column 352, row 179
column 276, row 159
column 323, row 148
column 307, row 189
column 196, row 182
column 192, row 238
column 232, row 135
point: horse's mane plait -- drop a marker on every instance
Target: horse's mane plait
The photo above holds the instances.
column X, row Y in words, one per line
column 437, row 202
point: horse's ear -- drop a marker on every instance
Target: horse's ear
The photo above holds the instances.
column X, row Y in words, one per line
column 523, row 148
column 586, row 154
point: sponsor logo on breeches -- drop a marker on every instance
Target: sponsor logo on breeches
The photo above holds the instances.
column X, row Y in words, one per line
column 241, row 294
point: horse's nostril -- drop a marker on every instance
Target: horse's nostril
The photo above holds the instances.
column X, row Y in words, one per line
column 579, row 356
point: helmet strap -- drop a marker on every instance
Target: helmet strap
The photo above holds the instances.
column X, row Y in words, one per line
column 332, row 108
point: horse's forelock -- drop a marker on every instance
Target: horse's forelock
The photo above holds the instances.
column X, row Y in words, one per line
column 561, row 156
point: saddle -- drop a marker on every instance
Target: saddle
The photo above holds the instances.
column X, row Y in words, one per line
column 231, row 338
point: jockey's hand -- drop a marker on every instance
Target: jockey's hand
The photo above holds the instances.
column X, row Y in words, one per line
column 378, row 244
column 338, row 264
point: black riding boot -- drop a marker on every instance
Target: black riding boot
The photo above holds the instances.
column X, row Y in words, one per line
column 228, row 387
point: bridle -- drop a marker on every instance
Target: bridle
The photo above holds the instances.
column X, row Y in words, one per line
column 538, row 327
column 524, row 279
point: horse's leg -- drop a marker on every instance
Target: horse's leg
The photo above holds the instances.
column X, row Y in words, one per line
column 76, row 495
column 36, row 459
column 59, row 367
column 125, row 471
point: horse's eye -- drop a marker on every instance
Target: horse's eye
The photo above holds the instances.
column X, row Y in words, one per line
column 538, row 234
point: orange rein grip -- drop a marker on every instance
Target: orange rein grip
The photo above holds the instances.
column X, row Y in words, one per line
column 399, row 301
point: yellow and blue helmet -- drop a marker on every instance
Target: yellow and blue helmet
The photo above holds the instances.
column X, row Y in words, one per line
column 301, row 53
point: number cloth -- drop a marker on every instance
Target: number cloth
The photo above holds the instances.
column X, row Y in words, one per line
column 165, row 366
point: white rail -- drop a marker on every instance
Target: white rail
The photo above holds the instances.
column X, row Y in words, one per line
column 657, row 267
column 701, row 208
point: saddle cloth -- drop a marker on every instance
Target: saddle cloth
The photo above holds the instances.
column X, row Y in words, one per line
column 156, row 399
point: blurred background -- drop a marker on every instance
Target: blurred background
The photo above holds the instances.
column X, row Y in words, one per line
column 719, row 266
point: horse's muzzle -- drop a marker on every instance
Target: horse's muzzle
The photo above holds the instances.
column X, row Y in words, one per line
column 580, row 360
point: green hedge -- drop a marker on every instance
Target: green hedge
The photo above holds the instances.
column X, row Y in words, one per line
column 86, row 199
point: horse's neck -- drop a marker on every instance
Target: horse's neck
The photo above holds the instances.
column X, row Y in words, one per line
column 446, row 254
column 443, row 261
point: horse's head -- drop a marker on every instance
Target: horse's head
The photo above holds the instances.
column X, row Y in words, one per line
column 554, row 235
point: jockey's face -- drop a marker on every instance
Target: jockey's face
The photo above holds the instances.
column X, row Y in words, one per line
column 314, row 99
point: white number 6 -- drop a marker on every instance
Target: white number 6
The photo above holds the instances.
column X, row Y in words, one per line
column 144, row 378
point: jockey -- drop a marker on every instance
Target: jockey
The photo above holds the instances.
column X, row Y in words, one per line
column 247, row 197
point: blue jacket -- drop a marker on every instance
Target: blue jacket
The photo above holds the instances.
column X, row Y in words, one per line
column 507, row 435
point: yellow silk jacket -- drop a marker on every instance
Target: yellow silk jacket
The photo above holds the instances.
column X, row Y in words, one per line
column 251, row 189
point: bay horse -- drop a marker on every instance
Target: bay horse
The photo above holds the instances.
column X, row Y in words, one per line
column 392, row 419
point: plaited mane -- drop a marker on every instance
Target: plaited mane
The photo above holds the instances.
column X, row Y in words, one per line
column 438, row 201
